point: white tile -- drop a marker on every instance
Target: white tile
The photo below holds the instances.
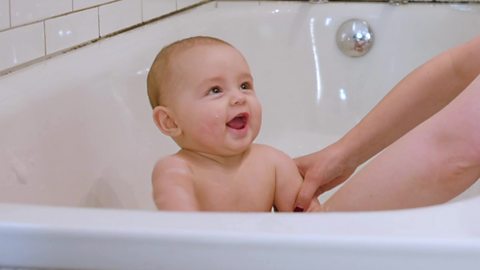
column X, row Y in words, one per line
column 70, row 30
column 80, row 4
column 4, row 14
column 21, row 44
column 119, row 15
column 156, row 8
column 185, row 3
column 25, row 11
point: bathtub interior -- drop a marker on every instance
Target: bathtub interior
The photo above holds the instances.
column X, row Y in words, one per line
column 77, row 128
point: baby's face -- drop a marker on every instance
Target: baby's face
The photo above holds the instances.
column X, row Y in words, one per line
column 213, row 100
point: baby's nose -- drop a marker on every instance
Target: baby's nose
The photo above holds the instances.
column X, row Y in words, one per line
column 237, row 98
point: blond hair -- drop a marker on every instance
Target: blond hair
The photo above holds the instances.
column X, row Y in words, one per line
column 159, row 71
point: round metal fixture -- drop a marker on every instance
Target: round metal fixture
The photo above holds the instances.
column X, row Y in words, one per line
column 354, row 37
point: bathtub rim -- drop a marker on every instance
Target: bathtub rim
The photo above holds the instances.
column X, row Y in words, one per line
column 73, row 234
column 148, row 222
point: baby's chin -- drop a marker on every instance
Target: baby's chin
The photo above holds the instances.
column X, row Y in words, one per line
column 227, row 146
column 231, row 151
column 220, row 151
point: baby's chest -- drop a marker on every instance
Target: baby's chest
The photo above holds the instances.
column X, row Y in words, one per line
column 248, row 190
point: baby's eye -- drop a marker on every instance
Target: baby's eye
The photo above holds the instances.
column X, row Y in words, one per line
column 214, row 90
column 246, row 86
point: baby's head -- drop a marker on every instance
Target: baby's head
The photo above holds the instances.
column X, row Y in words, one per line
column 202, row 95
column 160, row 78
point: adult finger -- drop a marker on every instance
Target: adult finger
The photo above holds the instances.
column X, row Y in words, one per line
column 305, row 195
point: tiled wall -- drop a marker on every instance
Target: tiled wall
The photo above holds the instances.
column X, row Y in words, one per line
column 31, row 29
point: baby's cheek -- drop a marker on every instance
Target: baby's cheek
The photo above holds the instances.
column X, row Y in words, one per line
column 210, row 122
column 257, row 119
column 209, row 128
column 256, row 109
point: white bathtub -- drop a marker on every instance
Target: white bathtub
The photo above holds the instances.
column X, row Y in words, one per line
column 78, row 144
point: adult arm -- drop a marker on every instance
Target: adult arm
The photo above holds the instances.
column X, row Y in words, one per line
column 433, row 163
column 414, row 99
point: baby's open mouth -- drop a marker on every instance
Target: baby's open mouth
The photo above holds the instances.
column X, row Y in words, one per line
column 239, row 121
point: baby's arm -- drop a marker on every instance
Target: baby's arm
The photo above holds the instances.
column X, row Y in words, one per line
column 288, row 182
column 173, row 187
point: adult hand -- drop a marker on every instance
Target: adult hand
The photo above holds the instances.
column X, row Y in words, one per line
column 322, row 171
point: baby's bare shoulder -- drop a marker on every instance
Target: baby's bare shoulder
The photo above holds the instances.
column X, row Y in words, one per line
column 169, row 166
column 272, row 153
column 173, row 185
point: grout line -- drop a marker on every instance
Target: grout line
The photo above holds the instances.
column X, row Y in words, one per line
column 98, row 21
column 10, row 13
column 44, row 38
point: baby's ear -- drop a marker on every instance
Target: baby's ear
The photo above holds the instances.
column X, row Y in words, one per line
column 165, row 121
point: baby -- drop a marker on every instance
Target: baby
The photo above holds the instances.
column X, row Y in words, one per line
column 203, row 97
